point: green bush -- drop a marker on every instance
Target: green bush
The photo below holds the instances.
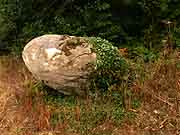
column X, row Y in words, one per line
column 111, row 67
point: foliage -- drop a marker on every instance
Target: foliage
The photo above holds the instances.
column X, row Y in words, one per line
column 176, row 36
column 91, row 18
column 156, row 11
column 108, row 56
column 117, row 22
column 111, row 67
column 141, row 53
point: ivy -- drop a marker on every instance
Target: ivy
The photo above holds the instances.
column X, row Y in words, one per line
column 111, row 67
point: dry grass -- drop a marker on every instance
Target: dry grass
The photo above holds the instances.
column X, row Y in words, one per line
column 23, row 112
column 18, row 116
column 159, row 113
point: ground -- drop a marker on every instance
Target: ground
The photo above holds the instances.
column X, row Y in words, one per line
column 25, row 109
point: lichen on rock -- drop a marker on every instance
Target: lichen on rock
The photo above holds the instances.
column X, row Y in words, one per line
column 61, row 61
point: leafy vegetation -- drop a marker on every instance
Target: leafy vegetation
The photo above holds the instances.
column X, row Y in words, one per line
column 110, row 67
column 118, row 22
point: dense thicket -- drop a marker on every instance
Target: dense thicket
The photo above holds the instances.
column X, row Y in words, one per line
column 128, row 22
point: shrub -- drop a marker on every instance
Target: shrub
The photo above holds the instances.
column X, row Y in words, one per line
column 111, row 67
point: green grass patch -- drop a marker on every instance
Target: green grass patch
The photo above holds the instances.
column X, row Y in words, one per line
column 82, row 115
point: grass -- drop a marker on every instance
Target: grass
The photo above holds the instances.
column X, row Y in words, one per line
column 149, row 106
column 84, row 115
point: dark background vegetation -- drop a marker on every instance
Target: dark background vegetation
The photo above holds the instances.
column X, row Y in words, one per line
column 129, row 23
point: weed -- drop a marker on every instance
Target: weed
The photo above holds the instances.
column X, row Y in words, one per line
column 136, row 103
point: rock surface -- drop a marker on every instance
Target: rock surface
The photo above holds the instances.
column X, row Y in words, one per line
column 62, row 62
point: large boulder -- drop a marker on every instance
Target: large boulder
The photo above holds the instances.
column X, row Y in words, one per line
column 62, row 62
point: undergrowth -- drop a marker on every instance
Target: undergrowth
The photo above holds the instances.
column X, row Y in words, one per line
column 28, row 107
column 82, row 115
column 110, row 67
